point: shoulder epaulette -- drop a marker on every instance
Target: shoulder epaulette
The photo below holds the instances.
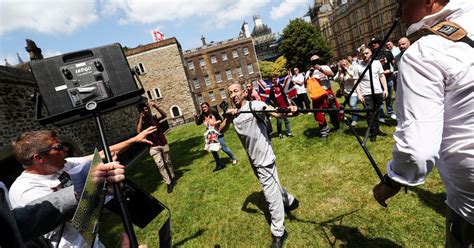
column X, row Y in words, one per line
column 446, row 29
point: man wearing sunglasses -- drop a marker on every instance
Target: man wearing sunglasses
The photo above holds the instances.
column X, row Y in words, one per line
column 45, row 160
column 435, row 110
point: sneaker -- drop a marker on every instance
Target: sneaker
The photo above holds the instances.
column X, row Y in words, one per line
column 309, row 113
column 393, row 116
column 170, row 187
column 382, row 120
column 173, row 181
column 280, row 136
column 354, row 123
column 278, row 241
column 294, row 205
column 234, row 162
column 289, row 135
column 373, row 138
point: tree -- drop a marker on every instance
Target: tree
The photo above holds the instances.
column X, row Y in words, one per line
column 267, row 68
column 301, row 40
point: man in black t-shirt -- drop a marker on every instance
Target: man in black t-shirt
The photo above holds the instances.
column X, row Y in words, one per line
column 160, row 149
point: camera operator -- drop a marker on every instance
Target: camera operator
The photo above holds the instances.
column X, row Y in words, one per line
column 346, row 78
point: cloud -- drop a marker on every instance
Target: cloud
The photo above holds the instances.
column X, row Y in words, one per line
column 287, row 7
column 46, row 16
column 216, row 13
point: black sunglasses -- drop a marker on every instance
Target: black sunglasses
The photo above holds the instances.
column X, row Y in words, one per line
column 58, row 147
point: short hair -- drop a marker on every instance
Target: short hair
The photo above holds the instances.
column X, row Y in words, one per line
column 273, row 76
column 30, row 143
column 141, row 106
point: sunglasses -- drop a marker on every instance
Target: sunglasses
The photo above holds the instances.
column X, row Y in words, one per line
column 58, row 147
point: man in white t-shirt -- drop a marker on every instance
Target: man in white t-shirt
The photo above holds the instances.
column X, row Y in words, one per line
column 252, row 131
column 364, row 91
column 302, row 97
column 45, row 160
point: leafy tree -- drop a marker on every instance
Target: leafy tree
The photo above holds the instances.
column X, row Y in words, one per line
column 266, row 68
column 279, row 66
column 301, row 40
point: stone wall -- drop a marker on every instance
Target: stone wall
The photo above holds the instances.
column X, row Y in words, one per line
column 164, row 70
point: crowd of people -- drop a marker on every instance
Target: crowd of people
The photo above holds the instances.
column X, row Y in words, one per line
column 434, row 85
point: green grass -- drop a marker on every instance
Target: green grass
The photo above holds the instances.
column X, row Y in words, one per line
column 333, row 181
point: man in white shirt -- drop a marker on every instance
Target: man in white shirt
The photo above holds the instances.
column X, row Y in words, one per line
column 302, row 96
column 44, row 159
column 435, row 108
column 364, row 90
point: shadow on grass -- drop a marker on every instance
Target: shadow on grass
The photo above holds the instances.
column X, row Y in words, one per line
column 433, row 200
column 257, row 199
column 312, row 132
column 181, row 153
column 197, row 234
column 350, row 236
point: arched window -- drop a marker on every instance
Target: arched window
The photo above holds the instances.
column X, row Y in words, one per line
column 175, row 111
column 141, row 68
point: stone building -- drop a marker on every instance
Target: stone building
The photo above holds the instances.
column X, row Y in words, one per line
column 161, row 69
column 213, row 67
column 265, row 41
column 17, row 115
column 351, row 23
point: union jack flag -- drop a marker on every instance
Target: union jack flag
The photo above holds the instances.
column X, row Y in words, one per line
column 288, row 86
column 263, row 90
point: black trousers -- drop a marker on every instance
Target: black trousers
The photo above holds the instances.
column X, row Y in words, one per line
column 303, row 99
column 373, row 103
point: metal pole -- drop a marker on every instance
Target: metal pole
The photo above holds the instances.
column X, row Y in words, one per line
column 127, row 224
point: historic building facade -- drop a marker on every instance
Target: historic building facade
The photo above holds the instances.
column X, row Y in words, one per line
column 352, row 23
column 161, row 70
column 212, row 67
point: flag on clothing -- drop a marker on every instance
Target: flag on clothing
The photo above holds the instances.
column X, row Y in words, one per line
column 289, row 87
column 157, row 35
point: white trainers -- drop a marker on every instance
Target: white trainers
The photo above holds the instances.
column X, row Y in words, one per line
column 382, row 120
column 234, row 162
column 393, row 116
column 353, row 123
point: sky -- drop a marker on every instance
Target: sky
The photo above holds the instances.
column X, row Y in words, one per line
column 62, row 26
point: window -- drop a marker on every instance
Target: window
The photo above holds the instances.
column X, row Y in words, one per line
column 200, row 99
column 206, row 79
column 201, row 62
column 196, row 83
column 212, row 97
column 190, row 65
column 224, row 56
column 235, row 54
column 246, row 51
column 218, row 77
column 223, row 94
column 239, row 71
column 213, row 59
column 175, row 111
column 157, row 93
column 140, row 69
column 154, row 93
column 228, row 73
column 250, row 68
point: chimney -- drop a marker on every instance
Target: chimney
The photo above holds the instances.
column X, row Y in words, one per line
column 245, row 30
column 203, row 40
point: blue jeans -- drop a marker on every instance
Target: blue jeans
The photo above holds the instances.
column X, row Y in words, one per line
column 287, row 126
column 353, row 104
column 225, row 148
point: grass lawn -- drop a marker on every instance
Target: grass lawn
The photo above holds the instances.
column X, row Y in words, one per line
column 333, row 181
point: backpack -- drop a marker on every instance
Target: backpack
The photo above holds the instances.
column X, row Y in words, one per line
column 315, row 90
